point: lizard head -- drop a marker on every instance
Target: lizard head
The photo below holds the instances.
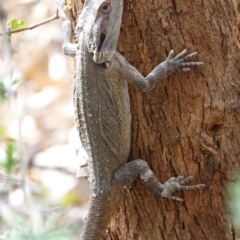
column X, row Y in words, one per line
column 102, row 27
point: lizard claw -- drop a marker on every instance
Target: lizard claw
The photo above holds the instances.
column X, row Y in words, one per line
column 175, row 184
column 178, row 63
column 170, row 55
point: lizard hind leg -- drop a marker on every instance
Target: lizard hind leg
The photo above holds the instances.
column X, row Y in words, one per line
column 127, row 173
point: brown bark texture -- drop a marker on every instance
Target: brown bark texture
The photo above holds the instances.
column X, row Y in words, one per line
column 188, row 125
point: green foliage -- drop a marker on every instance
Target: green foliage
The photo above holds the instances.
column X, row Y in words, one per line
column 234, row 201
column 71, row 198
column 16, row 81
column 2, row 132
column 2, row 91
column 51, row 229
column 9, row 160
column 15, row 84
column 14, row 25
column 17, row 24
column 29, row 235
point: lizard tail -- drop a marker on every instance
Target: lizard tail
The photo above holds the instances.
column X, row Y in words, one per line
column 101, row 206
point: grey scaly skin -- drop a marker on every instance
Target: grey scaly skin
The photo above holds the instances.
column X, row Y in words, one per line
column 103, row 117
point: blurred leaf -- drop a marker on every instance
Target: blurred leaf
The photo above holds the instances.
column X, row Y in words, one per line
column 2, row 91
column 71, row 198
column 41, row 191
column 1, row 87
column 16, row 81
column 23, row 234
column 234, row 201
column 15, row 24
column 2, row 131
column 9, row 161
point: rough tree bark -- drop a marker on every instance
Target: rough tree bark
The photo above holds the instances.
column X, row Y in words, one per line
column 189, row 124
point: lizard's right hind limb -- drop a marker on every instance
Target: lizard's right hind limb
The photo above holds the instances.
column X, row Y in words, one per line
column 127, row 173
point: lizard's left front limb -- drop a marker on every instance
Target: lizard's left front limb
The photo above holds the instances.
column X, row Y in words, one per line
column 159, row 73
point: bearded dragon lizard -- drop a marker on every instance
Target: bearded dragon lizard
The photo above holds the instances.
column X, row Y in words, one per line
column 102, row 108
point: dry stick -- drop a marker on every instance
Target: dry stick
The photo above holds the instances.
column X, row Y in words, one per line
column 55, row 168
column 55, row 16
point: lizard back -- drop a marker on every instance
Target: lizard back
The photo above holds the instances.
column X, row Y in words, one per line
column 103, row 117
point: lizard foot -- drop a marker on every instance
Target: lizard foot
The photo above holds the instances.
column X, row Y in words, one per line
column 175, row 184
column 179, row 64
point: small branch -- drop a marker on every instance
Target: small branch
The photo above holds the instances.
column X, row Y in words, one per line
column 9, row 32
column 55, row 168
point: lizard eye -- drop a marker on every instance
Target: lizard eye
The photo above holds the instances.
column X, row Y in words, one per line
column 106, row 7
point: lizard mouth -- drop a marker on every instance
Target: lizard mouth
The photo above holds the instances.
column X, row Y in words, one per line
column 102, row 38
column 98, row 56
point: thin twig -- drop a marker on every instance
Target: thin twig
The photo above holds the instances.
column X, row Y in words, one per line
column 55, row 168
column 9, row 32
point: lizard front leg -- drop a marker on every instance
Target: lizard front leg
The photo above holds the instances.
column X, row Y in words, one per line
column 159, row 73
column 127, row 173
column 69, row 49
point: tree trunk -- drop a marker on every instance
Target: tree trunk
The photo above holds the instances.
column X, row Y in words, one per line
column 189, row 124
